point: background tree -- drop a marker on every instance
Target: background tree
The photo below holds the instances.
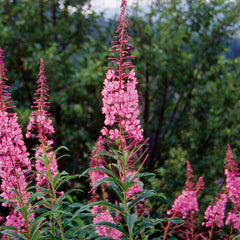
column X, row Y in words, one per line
column 66, row 36
column 190, row 90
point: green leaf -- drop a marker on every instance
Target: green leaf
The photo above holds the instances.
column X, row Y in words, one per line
column 118, row 191
column 145, row 174
column 110, row 180
column 103, row 203
column 141, row 227
column 36, row 224
column 13, row 232
column 141, row 197
column 109, row 172
column 66, row 178
column 8, row 202
column 131, row 220
column 36, row 235
column 113, row 156
column 176, row 220
column 236, row 237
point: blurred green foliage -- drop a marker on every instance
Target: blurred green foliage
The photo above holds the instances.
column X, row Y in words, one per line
column 189, row 90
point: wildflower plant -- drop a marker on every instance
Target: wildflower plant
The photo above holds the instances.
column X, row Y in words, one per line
column 38, row 208
column 215, row 214
column 41, row 122
column 55, row 205
column 184, row 207
column 119, row 153
column 14, row 165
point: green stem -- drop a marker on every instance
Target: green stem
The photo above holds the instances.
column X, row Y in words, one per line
column 54, row 195
column 124, row 167
column 18, row 189
column 58, row 214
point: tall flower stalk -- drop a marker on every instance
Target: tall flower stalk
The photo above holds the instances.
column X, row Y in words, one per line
column 185, row 206
column 118, row 155
column 215, row 214
column 41, row 122
column 14, row 162
column 40, row 126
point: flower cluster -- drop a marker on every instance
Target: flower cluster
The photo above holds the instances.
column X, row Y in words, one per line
column 136, row 188
column 232, row 178
column 40, row 121
column 233, row 189
column 14, row 161
column 103, row 215
column 187, row 202
column 5, row 97
column 122, row 133
column 120, row 105
column 215, row 213
column 97, row 161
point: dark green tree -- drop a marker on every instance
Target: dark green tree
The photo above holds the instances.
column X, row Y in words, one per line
column 67, row 37
column 190, row 91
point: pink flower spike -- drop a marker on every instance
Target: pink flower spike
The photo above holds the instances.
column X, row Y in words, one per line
column 120, row 96
column 187, row 202
column 103, row 215
column 215, row 213
column 41, row 122
column 14, row 161
column 5, row 97
column 234, row 218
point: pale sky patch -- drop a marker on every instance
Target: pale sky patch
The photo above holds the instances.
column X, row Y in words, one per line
column 101, row 5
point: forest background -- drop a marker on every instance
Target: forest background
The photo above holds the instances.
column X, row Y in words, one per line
column 187, row 64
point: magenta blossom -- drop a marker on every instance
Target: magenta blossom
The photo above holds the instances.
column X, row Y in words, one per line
column 103, row 215
column 120, row 106
column 187, row 203
column 215, row 212
column 41, row 122
column 14, row 161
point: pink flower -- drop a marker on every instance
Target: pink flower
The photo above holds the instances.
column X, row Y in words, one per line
column 215, row 213
column 14, row 161
column 120, row 106
column 187, row 202
column 122, row 131
column 113, row 134
column 120, row 96
column 103, row 215
column 232, row 189
column 97, row 161
column 232, row 178
column 136, row 188
column 234, row 218
column 41, row 122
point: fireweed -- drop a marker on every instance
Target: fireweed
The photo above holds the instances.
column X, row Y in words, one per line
column 215, row 213
column 38, row 210
column 45, row 158
column 184, row 207
column 14, row 161
column 118, row 155
column 41, row 122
